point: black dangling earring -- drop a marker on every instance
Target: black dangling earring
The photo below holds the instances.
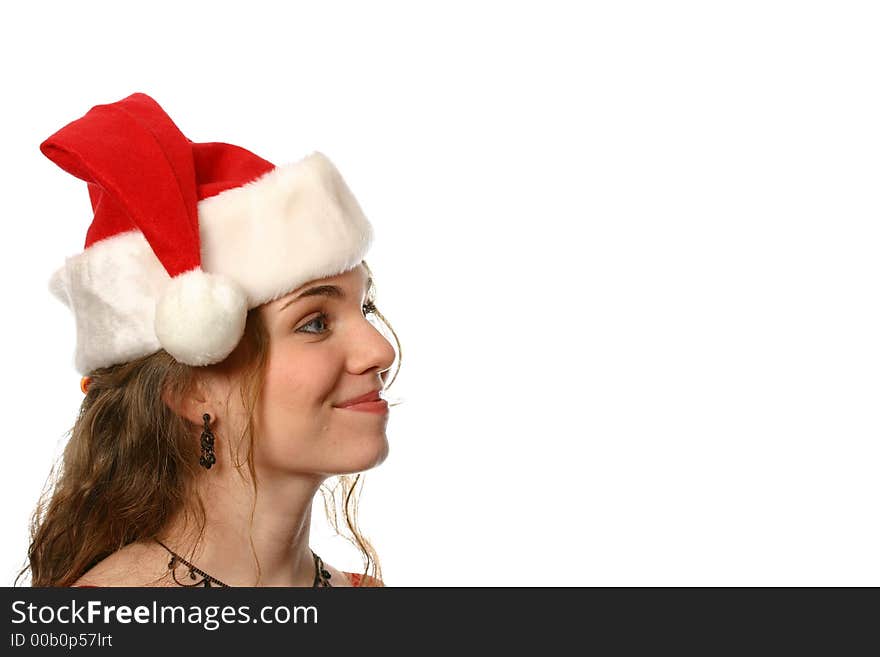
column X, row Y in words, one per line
column 207, row 459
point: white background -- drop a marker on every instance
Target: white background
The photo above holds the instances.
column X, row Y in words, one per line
column 630, row 249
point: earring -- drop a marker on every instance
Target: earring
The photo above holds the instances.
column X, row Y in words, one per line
column 207, row 459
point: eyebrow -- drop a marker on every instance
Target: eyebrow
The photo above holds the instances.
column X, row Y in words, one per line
column 331, row 291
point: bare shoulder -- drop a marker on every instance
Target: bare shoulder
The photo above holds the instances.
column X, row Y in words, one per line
column 137, row 564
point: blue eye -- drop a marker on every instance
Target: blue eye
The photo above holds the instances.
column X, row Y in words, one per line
column 320, row 318
column 367, row 308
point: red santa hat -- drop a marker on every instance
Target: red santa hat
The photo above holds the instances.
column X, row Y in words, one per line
column 187, row 237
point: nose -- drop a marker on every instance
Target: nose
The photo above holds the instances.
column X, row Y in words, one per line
column 370, row 349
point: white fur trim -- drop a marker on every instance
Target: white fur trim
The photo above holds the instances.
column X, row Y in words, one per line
column 200, row 317
column 111, row 289
column 297, row 223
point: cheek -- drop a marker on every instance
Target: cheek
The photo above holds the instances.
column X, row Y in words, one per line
column 300, row 382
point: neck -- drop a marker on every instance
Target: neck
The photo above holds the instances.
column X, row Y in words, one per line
column 276, row 533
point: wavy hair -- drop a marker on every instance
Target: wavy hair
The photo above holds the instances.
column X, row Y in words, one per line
column 131, row 463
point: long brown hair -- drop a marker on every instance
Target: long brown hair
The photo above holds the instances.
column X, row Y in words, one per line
column 130, row 465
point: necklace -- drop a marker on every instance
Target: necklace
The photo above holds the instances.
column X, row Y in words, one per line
column 322, row 575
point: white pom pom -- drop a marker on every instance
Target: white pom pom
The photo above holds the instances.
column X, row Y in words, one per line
column 200, row 317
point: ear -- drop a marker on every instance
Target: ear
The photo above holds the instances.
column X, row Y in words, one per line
column 191, row 404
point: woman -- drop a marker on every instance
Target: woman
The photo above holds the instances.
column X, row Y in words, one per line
column 223, row 312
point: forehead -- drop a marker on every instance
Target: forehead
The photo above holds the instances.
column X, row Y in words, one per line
column 353, row 280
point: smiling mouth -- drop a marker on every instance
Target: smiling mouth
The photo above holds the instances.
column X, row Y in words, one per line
column 372, row 396
column 378, row 406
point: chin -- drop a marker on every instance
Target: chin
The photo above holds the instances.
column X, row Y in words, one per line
column 367, row 459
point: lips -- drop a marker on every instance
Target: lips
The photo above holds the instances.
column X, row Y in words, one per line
column 369, row 397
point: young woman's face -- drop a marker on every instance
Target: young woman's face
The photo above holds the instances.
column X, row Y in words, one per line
column 323, row 351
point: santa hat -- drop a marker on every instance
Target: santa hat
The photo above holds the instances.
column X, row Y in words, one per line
column 187, row 237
